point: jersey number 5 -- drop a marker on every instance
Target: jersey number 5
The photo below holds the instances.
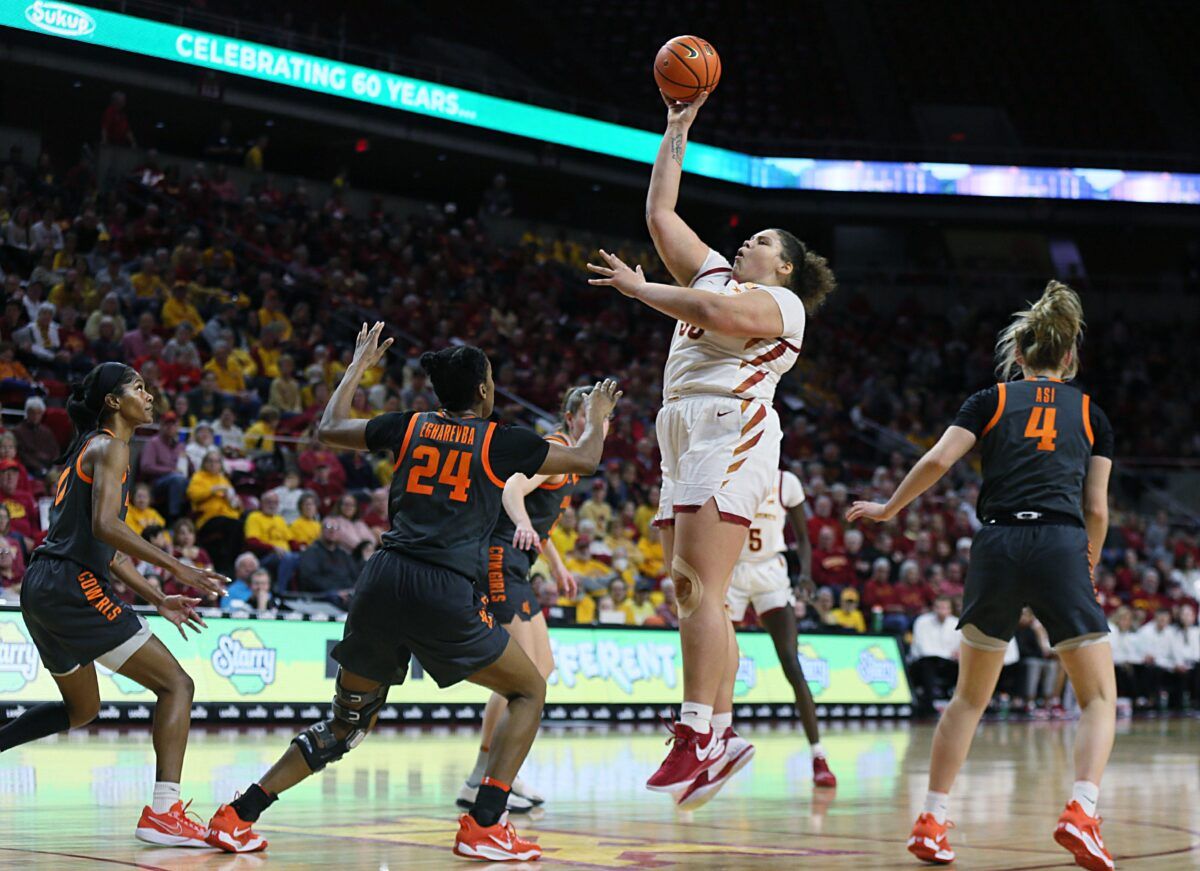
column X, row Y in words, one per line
column 1041, row 427
column 456, row 472
column 755, row 539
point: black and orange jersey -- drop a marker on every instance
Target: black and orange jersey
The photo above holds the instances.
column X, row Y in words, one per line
column 544, row 505
column 448, row 482
column 70, row 535
column 1036, row 438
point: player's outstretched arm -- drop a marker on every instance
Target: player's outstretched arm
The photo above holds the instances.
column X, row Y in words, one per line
column 951, row 447
column 584, row 457
column 799, row 522
column 677, row 244
column 516, row 488
column 744, row 315
column 110, row 460
column 337, row 428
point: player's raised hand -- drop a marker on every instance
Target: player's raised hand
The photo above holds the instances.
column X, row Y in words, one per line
column 367, row 349
column 599, row 404
column 683, row 113
column 181, row 612
column 876, row 512
column 616, row 274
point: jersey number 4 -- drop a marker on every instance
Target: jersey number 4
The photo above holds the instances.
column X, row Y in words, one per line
column 456, row 472
column 1041, row 427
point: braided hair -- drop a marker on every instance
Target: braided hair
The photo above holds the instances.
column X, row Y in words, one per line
column 86, row 406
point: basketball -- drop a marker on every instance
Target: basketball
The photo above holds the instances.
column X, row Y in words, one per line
column 685, row 67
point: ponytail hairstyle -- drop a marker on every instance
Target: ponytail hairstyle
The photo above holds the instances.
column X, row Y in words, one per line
column 811, row 278
column 456, row 374
column 86, row 406
column 1040, row 336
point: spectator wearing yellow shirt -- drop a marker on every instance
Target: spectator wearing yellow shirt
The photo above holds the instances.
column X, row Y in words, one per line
column 642, row 606
column 272, row 313
column 847, row 614
column 230, row 378
column 218, row 256
column 591, row 573
column 260, row 436
column 178, row 309
column 643, row 517
column 141, row 513
column 268, row 534
column 596, row 508
column 266, row 529
column 256, row 153
column 72, row 292
column 285, row 389
column 218, row 510
column 267, row 351
column 147, row 284
column 619, row 592
column 306, row 528
column 564, row 532
column 585, row 609
column 650, row 553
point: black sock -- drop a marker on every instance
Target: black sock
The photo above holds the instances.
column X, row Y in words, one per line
column 38, row 722
column 490, row 802
column 250, row 804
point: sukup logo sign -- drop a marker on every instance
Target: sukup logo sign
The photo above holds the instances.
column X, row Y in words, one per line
column 61, row 19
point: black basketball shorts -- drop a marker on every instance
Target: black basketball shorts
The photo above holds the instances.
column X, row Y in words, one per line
column 74, row 617
column 403, row 608
column 1042, row 566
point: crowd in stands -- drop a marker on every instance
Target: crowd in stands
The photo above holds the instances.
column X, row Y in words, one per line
column 238, row 307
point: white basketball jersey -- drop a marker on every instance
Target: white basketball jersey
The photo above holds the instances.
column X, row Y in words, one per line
column 702, row 361
column 765, row 540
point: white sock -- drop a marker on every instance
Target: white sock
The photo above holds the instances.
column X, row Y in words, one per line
column 818, row 752
column 1087, row 794
column 165, row 795
column 476, row 775
column 937, row 803
column 721, row 722
column 697, row 717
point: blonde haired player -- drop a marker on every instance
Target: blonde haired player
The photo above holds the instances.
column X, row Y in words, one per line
column 739, row 329
column 761, row 579
column 1047, row 456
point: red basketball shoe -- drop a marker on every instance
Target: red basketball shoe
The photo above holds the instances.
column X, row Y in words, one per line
column 738, row 753
column 822, row 776
column 691, row 755
column 498, row 843
column 172, row 829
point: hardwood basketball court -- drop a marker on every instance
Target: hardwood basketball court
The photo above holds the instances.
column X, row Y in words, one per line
column 71, row 802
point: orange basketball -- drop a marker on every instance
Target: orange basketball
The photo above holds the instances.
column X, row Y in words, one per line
column 685, row 67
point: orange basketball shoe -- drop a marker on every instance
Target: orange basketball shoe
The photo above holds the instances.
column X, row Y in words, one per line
column 498, row 843
column 233, row 834
column 172, row 829
column 1080, row 834
column 928, row 840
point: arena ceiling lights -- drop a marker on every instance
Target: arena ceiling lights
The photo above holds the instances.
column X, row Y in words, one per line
column 322, row 75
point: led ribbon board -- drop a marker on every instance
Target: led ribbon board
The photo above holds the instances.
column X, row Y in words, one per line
column 325, row 76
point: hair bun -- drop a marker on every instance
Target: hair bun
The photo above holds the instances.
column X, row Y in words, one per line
column 430, row 362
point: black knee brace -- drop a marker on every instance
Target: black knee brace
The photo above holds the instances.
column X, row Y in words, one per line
column 318, row 743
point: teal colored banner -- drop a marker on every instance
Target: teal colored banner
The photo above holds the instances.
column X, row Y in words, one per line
column 325, row 76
